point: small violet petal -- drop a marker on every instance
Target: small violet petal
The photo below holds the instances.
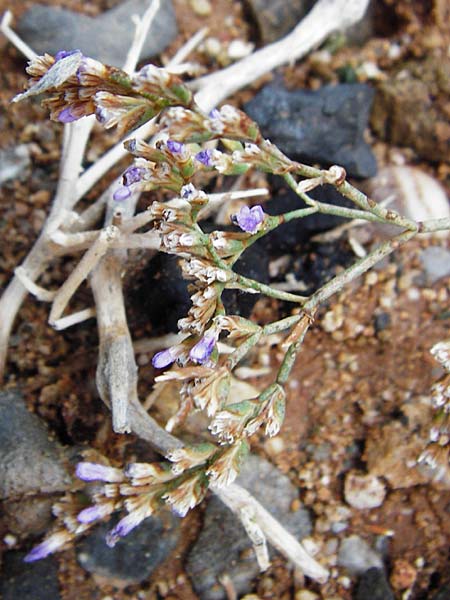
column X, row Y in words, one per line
column 88, row 471
column 249, row 219
column 121, row 193
column 188, row 191
column 175, row 147
column 101, row 114
column 123, row 528
column 67, row 116
column 90, row 514
column 214, row 113
column 163, row 359
column 38, row 552
column 133, row 175
column 204, row 157
column 64, row 53
column 203, row 349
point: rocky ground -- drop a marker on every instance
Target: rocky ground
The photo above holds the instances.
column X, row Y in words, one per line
column 342, row 474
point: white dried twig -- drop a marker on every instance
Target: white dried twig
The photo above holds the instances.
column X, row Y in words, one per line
column 238, row 499
column 326, row 17
column 142, row 28
column 5, row 28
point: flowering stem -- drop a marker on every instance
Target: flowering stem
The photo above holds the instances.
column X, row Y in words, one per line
column 281, row 325
column 370, row 210
column 298, row 214
column 291, row 354
column 358, row 268
column 251, row 284
column 242, row 350
column 330, row 288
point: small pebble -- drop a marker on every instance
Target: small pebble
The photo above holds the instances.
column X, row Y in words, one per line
column 239, row 49
column 202, row 8
column 403, row 575
column 306, row 595
column 357, row 556
column 364, row 491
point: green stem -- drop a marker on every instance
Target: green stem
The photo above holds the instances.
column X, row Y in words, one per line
column 434, row 225
column 298, row 214
column 358, row 268
column 333, row 286
column 289, row 358
column 246, row 282
column 281, row 325
column 242, row 350
column 371, row 211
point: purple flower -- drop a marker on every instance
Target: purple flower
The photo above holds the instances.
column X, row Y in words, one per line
column 188, row 191
column 38, row 552
column 214, row 113
column 67, row 115
column 133, row 175
column 88, row 471
column 121, row 193
column 204, row 157
column 163, row 359
column 54, row 542
column 175, row 147
column 131, row 145
column 64, row 53
column 123, row 528
column 90, row 514
column 101, row 114
column 203, row 349
column 249, row 219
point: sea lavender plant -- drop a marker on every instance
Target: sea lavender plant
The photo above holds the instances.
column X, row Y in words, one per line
column 75, row 87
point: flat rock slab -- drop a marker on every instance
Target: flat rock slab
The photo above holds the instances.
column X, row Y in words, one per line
column 223, row 546
column 29, row 581
column 106, row 37
column 30, row 463
column 134, row 558
column 325, row 126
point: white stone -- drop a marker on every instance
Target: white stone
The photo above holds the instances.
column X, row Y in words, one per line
column 364, row 491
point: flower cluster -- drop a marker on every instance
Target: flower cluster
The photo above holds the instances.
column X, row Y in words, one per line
column 243, row 419
column 140, row 489
column 77, row 86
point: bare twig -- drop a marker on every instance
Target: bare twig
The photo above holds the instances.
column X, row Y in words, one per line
column 13, row 37
column 326, row 17
column 142, row 28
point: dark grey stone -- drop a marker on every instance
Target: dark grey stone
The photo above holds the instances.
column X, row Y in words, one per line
column 223, row 545
column 106, row 37
column 134, row 558
column 30, row 463
column 324, row 126
column 276, row 18
column 28, row 581
column 373, row 585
